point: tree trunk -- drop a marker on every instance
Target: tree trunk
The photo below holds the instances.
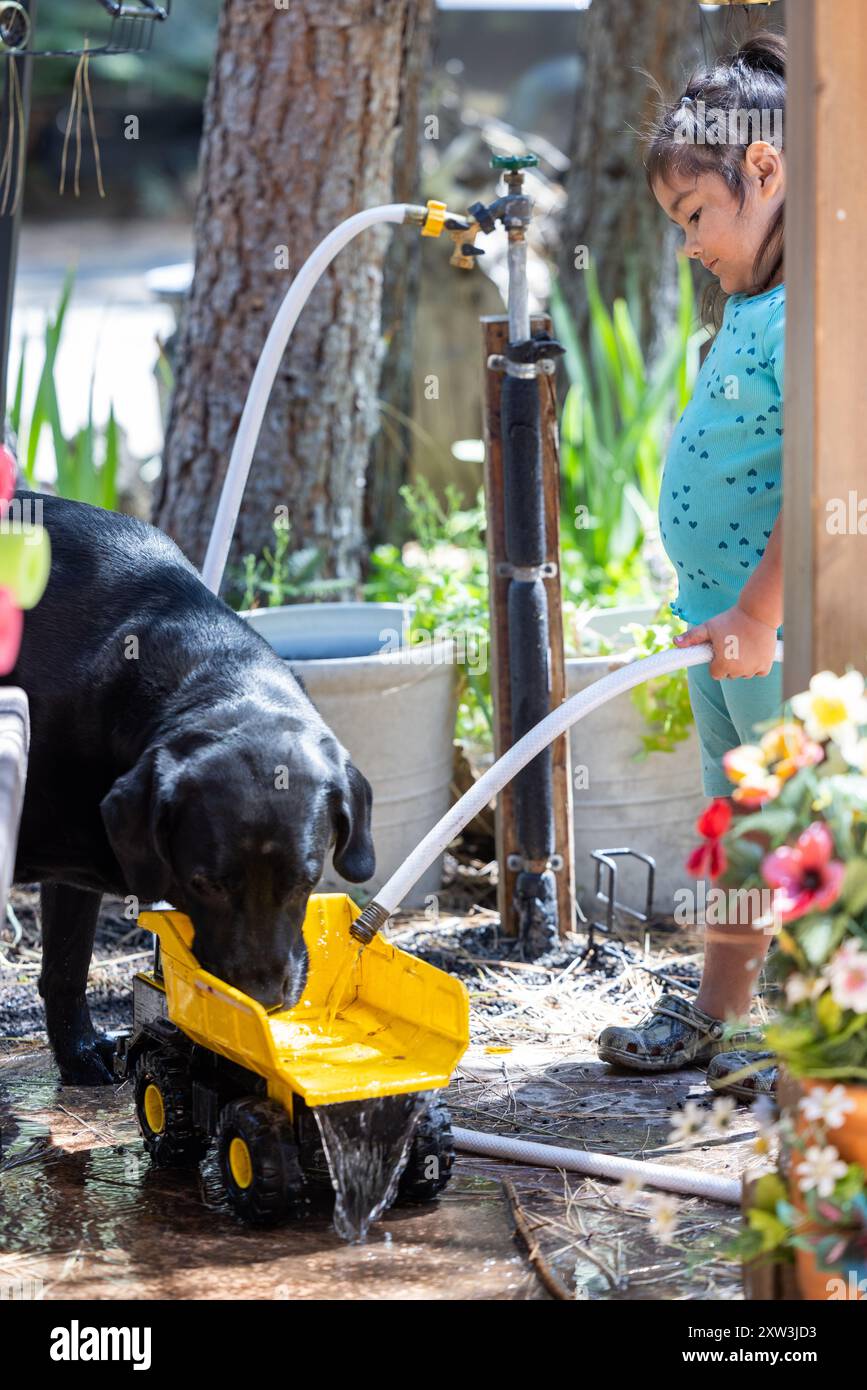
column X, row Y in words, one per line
column 384, row 513
column 299, row 133
column 609, row 208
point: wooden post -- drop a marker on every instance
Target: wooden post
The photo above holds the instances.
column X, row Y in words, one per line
column 765, row 1281
column 825, row 482
column 495, row 337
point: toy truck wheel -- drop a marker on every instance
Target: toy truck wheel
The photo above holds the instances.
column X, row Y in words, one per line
column 259, row 1162
column 164, row 1107
column 431, row 1156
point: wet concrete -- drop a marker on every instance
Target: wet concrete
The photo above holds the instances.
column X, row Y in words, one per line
column 83, row 1213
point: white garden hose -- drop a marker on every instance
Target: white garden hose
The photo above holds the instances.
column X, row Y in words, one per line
column 394, row 890
column 266, row 371
column 691, row 1182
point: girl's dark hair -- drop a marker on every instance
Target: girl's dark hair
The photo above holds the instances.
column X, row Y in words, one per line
column 750, row 83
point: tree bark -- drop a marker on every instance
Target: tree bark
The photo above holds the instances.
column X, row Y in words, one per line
column 385, row 517
column 299, row 133
column 609, row 208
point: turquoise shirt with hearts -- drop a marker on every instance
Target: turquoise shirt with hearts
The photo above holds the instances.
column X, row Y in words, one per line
column 721, row 486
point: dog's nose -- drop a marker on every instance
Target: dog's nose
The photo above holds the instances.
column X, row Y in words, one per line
column 266, row 985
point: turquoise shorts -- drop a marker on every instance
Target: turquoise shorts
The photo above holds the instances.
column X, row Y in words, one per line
column 726, row 712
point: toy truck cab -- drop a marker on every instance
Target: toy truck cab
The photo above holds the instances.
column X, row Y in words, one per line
column 209, row 1063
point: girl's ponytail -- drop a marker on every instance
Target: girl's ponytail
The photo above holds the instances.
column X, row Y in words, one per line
column 764, row 52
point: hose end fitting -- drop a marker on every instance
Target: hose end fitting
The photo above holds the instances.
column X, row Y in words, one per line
column 371, row 918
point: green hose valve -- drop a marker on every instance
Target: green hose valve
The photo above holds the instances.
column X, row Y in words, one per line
column 513, row 162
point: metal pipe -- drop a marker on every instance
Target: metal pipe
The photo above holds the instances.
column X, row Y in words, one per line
column 10, row 223
column 519, row 310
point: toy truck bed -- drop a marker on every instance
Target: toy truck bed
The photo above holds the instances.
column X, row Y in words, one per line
column 399, row 1025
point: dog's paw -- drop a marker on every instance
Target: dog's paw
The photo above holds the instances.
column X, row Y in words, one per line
column 85, row 1067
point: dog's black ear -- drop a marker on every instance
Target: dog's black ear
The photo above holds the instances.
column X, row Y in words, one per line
column 354, row 856
column 133, row 814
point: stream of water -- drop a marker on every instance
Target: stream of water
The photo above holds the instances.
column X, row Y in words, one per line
column 367, row 1144
column 338, row 989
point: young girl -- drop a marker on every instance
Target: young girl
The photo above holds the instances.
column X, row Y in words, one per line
column 720, row 499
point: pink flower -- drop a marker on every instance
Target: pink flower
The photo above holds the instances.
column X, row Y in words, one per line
column 804, row 875
column 847, row 972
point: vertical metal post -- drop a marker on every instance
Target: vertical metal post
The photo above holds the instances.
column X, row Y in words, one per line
column 525, row 570
column 10, row 223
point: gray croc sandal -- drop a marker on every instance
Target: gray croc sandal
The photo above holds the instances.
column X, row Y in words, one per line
column 674, row 1034
column 746, row 1088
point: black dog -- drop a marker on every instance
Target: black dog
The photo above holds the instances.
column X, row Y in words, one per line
column 173, row 755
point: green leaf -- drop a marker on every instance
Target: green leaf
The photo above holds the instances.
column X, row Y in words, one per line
column 108, row 476
column 769, row 1226
column 776, row 821
column 15, row 408
column 768, row 1191
column 854, row 890
column 829, row 1013
column 817, row 937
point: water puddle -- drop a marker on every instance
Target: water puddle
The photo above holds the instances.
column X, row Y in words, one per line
column 367, row 1144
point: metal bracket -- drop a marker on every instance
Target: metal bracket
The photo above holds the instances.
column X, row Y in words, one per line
column 605, row 858
column 505, row 570
column 463, row 236
column 518, row 863
column 546, row 366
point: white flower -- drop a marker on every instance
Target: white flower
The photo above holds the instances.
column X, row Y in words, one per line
column 631, row 1185
column 832, row 707
column 721, row 1115
column 663, row 1214
column 800, row 988
column 821, row 1168
column 764, row 1112
column 847, row 971
column 854, row 750
column 828, row 1106
column 686, row 1123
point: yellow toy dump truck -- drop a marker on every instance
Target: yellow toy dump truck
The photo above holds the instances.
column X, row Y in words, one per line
column 209, row 1062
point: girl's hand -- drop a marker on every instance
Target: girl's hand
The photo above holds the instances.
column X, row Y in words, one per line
column 742, row 645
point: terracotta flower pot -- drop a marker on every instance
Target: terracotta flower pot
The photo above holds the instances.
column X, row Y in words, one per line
column 850, row 1140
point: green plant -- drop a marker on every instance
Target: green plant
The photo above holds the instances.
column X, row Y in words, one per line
column 615, row 423
column 444, row 572
column 284, row 576
column 86, row 463
column 807, row 777
column 664, row 701
column 831, row 1222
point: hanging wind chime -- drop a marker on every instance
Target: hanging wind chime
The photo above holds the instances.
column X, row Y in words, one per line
column 131, row 30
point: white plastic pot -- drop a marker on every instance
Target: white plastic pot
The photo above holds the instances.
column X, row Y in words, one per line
column 650, row 805
column 316, row 631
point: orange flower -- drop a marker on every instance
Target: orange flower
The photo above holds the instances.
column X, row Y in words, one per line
column 747, row 767
column 787, row 749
